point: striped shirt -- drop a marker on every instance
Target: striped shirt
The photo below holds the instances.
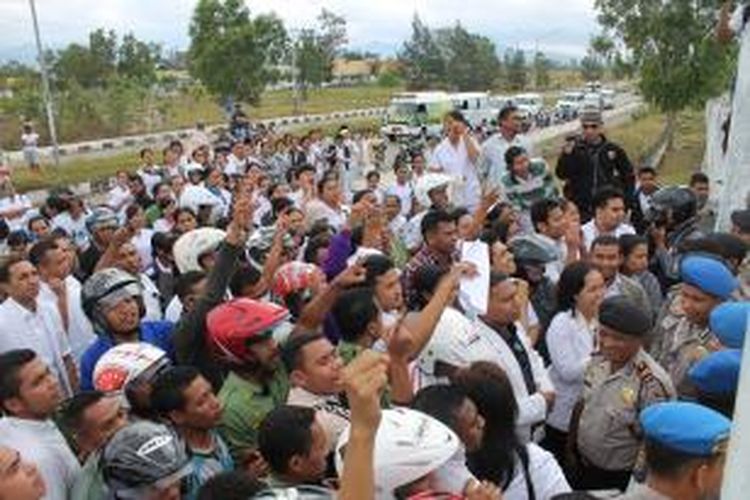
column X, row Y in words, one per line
column 538, row 185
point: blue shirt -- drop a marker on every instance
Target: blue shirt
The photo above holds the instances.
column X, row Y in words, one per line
column 157, row 333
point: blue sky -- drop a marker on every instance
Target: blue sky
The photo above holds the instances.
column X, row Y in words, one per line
column 559, row 28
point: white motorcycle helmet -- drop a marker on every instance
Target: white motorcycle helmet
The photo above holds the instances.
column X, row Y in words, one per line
column 127, row 364
column 196, row 197
column 191, row 246
column 427, row 183
column 408, row 446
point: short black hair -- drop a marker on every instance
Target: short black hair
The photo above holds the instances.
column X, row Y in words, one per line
column 605, row 240
column 606, row 193
column 314, row 245
column 186, row 282
column 572, row 280
column 71, row 412
column 285, row 432
column 456, row 115
column 11, row 363
column 541, row 209
column 168, row 390
column 433, row 218
column 7, row 263
column 292, row 349
column 372, row 173
column 353, row 311
column 244, row 275
column 37, row 218
column 162, row 241
column 647, row 170
column 512, row 153
column 376, row 266
column 628, row 243
column 18, row 237
column 442, row 402
column 506, row 111
column 427, row 278
column 359, row 195
column 497, row 277
column 666, row 462
column 233, row 485
column 698, row 178
column 39, row 250
column 306, row 167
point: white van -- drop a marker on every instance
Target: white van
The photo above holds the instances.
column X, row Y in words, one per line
column 608, row 98
column 413, row 114
column 477, row 107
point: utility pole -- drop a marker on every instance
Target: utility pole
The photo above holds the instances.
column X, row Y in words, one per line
column 295, row 83
column 45, row 87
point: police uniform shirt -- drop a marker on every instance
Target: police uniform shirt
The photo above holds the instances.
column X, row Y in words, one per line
column 609, row 435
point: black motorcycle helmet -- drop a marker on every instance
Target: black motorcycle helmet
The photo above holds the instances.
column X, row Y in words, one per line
column 671, row 206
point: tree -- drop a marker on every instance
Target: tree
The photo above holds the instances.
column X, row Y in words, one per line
column 471, row 60
column 679, row 62
column 421, row 58
column 232, row 53
column 591, row 68
column 516, row 71
column 541, row 70
column 602, row 47
column 332, row 37
column 136, row 60
column 316, row 49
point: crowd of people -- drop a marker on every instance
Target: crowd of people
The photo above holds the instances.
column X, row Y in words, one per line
column 275, row 318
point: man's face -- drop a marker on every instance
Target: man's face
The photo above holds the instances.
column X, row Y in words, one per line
column 591, row 131
column 164, row 193
column 388, row 291
column 502, row 306
column 439, row 197
column 454, row 128
column 202, row 408
column 616, row 347
column 607, row 259
column 56, row 263
column 320, row 368
column 392, row 207
column 23, row 281
column 265, row 354
column 186, row 222
column 100, row 421
column 402, row 174
column 444, row 238
column 502, row 259
column 103, row 235
column 470, row 426
column 331, row 192
column 697, row 304
column 40, row 228
column 372, row 182
column 521, row 165
column 124, row 317
column 555, row 225
column 647, row 180
column 512, row 122
column 701, row 190
column 38, row 394
column 19, row 479
column 122, row 179
column 310, row 468
column 611, row 214
column 130, row 261
column 417, row 163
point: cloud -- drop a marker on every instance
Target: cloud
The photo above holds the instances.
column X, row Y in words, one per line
column 383, row 24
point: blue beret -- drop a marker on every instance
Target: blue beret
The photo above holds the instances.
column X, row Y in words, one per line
column 718, row 373
column 709, row 275
column 728, row 322
column 685, row 427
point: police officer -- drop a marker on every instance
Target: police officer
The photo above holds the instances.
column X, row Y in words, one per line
column 673, row 219
column 729, row 323
column 715, row 379
column 686, row 447
column 682, row 335
column 589, row 162
column 620, row 381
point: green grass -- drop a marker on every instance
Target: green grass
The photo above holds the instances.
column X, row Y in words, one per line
column 688, row 148
column 76, row 170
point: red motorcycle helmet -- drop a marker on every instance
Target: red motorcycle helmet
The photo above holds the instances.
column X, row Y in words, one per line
column 295, row 277
column 232, row 326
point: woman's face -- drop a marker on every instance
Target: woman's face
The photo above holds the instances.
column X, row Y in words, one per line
column 592, row 293
column 466, row 227
column 186, row 222
column 637, row 260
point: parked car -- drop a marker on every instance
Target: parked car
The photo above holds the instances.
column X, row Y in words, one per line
column 415, row 114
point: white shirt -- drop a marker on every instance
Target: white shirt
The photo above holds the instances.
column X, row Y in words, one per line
column 317, row 210
column 151, row 299
column 329, row 410
column 30, row 140
column 492, row 158
column 42, row 331
column 12, row 204
column 142, row 243
column 76, row 228
column 235, row 166
column 174, row 310
column 571, row 341
column 591, row 232
column 41, row 443
column 546, row 476
column 454, row 161
column 118, row 197
column 80, row 332
column 150, row 179
column 404, row 193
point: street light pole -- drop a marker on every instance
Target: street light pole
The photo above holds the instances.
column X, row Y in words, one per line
column 45, row 87
column 295, row 87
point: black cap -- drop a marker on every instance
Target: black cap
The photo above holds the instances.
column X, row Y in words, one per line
column 620, row 314
column 741, row 219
